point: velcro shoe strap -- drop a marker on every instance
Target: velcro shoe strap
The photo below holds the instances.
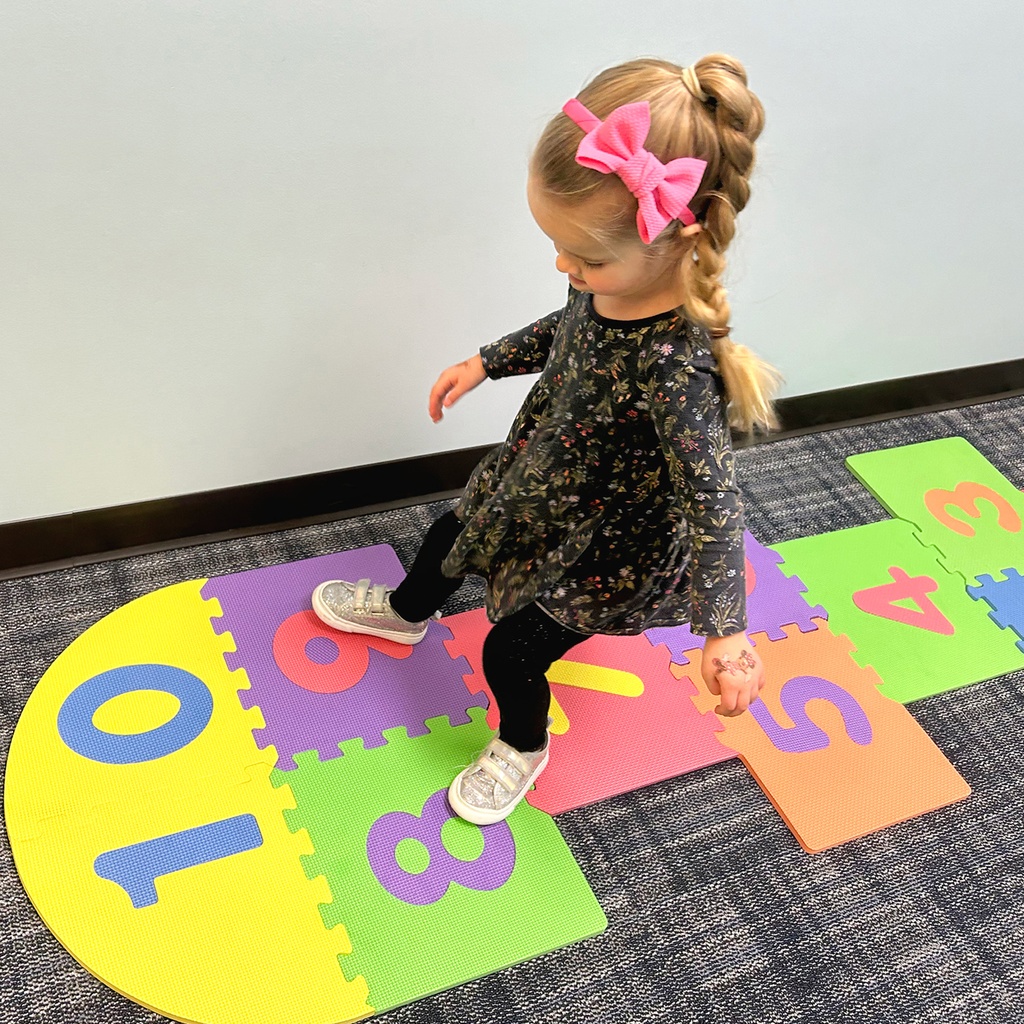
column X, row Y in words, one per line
column 367, row 598
column 507, row 782
column 510, row 754
column 501, row 749
column 359, row 595
column 378, row 592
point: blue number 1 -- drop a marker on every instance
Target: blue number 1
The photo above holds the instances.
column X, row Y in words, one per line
column 135, row 868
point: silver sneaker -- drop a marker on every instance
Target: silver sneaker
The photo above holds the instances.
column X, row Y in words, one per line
column 491, row 787
column 365, row 607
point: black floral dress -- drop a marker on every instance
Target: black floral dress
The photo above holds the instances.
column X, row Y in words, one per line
column 613, row 502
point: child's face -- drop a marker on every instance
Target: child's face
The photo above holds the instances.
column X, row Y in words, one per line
column 628, row 275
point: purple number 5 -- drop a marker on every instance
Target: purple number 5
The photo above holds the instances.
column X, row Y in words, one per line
column 804, row 735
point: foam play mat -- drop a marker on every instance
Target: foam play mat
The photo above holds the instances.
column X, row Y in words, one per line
column 211, row 778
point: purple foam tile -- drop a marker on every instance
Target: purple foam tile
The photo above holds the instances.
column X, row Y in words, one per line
column 774, row 600
column 677, row 639
column 317, row 687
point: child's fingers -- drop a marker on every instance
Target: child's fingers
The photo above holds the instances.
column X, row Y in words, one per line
column 439, row 397
column 457, row 391
column 453, row 384
column 735, row 677
column 731, row 686
column 738, row 691
column 759, row 681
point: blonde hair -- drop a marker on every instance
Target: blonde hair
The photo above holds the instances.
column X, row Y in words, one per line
column 720, row 130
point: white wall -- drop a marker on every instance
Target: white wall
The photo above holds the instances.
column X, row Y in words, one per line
column 240, row 240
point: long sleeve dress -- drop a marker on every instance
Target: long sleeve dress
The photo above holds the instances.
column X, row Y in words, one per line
column 613, row 501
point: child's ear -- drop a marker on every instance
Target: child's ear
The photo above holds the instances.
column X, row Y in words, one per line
column 683, row 241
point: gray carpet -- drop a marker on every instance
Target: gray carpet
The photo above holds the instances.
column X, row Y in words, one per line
column 715, row 914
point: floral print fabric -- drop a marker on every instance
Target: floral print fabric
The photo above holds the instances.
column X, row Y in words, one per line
column 613, row 502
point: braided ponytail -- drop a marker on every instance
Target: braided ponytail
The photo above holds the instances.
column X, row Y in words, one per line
column 737, row 118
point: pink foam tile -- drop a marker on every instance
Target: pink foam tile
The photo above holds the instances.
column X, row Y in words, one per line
column 614, row 743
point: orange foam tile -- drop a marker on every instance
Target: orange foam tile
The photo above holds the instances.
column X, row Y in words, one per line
column 836, row 758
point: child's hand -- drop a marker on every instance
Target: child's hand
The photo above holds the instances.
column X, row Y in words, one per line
column 733, row 671
column 454, row 383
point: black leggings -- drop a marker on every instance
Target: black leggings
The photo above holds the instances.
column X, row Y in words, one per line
column 518, row 650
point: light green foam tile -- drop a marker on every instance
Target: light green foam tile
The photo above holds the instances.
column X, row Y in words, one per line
column 950, row 641
column 960, row 503
column 415, row 929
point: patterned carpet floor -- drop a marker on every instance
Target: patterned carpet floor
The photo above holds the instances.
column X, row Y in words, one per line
column 715, row 913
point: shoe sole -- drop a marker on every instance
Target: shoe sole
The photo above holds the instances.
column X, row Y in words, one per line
column 481, row 816
column 328, row 618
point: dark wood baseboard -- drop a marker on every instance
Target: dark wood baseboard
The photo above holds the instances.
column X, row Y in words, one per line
column 58, row 541
column 904, row 396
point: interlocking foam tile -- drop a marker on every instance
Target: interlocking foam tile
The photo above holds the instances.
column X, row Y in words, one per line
column 147, row 833
column 960, row 503
column 430, row 900
column 774, row 600
column 1006, row 599
column 908, row 618
column 621, row 719
column 836, row 758
column 316, row 686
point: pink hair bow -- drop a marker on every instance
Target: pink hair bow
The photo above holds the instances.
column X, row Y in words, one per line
column 616, row 146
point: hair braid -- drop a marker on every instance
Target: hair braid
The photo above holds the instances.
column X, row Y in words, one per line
column 738, row 119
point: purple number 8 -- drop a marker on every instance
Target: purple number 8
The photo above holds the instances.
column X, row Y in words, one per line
column 491, row 870
column 804, row 736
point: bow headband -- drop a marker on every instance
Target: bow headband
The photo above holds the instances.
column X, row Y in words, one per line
column 616, row 146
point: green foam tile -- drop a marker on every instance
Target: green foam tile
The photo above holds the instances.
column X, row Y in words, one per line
column 947, row 640
column 959, row 502
column 429, row 900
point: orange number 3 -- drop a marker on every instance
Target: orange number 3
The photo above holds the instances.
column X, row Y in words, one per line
column 966, row 497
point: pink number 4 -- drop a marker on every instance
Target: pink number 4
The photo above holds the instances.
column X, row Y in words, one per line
column 881, row 600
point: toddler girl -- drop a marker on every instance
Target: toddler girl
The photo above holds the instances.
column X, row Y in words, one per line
column 613, row 505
